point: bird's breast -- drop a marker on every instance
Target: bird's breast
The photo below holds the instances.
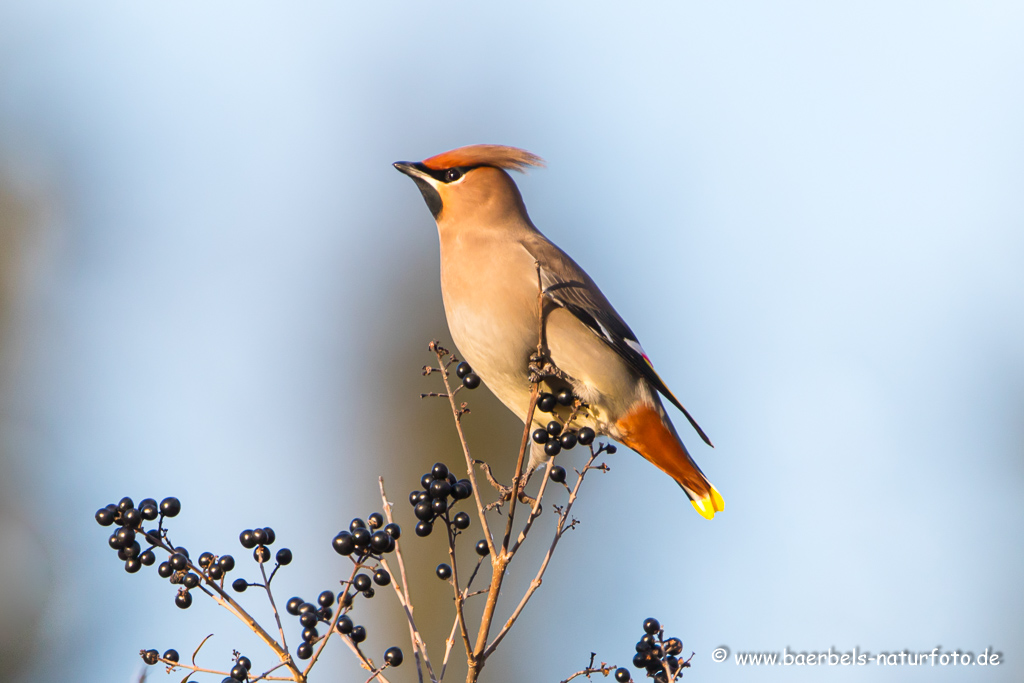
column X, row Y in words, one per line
column 490, row 300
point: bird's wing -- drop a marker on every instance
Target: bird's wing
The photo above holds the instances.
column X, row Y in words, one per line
column 568, row 286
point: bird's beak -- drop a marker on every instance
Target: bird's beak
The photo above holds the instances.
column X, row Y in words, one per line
column 413, row 169
column 424, row 181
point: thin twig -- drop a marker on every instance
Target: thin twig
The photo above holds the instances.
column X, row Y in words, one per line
column 332, row 626
column 457, row 413
column 200, row 670
column 560, row 530
column 273, row 606
column 419, row 647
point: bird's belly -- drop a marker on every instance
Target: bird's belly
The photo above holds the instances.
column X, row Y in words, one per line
column 498, row 350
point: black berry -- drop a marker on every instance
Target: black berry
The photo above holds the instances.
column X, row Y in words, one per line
column 423, row 511
column 622, row 675
column 482, row 549
column 557, row 474
column 105, row 517
column 424, row 528
column 171, row 655
column 440, row 488
column 183, row 600
column 462, row 369
column 376, row 520
column 149, row 509
column 239, row 672
column 356, row 524
column 553, row 447
column 361, row 582
column 439, row 470
column 247, row 540
column 284, row 556
column 226, row 562
column 344, row 624
column 150, row 656
column 540, row 436
column 304, row 650
column 651, row 626
column 239, row 585
column 358, row 634
column 554, row 428
column 293, row 606
column 380, row 541
column 394, row 531
column 381, row 577
column 343, row 543
column 444, row 572
column 461, row 521
column 565, row 397
column 586, row 436
column 568, row 441
column 244, row 661
column 471, row 381
column 546, row 403
column 361, row 537
column 170, row 507
column 261, row 554
column 393, row 656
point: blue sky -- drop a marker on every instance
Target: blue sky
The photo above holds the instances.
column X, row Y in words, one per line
column 810, row 213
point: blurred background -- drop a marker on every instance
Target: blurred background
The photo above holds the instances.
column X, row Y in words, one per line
column 215, row 286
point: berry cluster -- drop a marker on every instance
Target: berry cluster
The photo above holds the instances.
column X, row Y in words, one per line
column 555, row 437
column 440, row 492
column 657, row 655
column 129, row 519
column 311, row 615
column 256, row 540
column 362, row 540
column 470, row 379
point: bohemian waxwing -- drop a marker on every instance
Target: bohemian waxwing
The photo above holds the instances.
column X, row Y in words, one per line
column 490, row 254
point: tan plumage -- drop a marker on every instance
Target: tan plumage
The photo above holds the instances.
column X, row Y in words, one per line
column 489, row 255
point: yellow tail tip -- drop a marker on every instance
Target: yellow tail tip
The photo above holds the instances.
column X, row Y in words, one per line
column 707, row 507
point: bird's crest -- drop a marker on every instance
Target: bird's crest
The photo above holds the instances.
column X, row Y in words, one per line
column 499, row 156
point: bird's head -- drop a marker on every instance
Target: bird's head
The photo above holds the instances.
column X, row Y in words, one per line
column 471, row 183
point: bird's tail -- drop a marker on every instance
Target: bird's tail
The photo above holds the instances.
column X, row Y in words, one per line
column 647, row 432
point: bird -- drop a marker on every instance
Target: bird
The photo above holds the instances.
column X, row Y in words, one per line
column 495, row 267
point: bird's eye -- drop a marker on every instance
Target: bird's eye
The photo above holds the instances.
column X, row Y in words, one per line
column 452, row 175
